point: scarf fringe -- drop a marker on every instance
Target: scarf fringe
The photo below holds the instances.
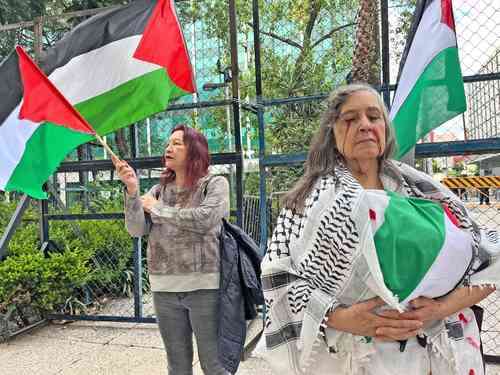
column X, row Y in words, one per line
column 316, row 345
column 440, row 346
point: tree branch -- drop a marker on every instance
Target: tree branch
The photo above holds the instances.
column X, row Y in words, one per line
column 298, row 72
column 280, row 38
column 333, row 31
column 313, row 15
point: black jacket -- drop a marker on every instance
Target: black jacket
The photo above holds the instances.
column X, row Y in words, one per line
column 240, row 290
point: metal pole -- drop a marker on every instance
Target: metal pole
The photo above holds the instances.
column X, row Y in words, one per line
column 133, row 141
column 233, row 35
column 386, row 79
column 44, row 206
column 44, row 222
column 14, row 222
column 148, row 135
column 137, row 278
column 194, row 60
column 136, row 242
column 229, row 121
column 260, row 119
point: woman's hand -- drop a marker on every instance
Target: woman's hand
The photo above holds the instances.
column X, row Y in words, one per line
column 127, row 174
column 423, row 309
column 148, row 201
column 361, row 320
column 428, row 309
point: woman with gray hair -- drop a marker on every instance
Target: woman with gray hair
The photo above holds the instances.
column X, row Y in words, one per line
column 372, row 266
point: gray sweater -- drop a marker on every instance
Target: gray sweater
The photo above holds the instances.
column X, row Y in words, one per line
column 183, row 228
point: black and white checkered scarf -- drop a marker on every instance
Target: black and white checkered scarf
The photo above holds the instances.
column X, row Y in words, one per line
column 315, row 263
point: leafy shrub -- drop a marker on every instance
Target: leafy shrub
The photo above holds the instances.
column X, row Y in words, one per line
column 33, row 281
column 92, row 260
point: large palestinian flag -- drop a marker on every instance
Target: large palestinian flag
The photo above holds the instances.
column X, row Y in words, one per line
column 116, row 68
column 420, row 247
column 430, row 85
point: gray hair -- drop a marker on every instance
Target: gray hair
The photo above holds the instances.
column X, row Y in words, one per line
column 323, row 154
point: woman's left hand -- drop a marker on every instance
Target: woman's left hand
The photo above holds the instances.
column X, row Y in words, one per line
column 423, row 309
column 428, row 309
column 148, row 202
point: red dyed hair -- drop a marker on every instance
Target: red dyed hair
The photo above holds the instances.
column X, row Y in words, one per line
column 197, row 157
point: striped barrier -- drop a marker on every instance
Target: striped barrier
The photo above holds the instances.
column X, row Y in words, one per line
column 472, row 182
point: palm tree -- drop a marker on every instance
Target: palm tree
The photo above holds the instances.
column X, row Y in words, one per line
column 366, row 65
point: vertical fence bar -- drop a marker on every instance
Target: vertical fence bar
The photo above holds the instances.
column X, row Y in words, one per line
column 137, row 277
column 136, row 242
column 386, row 78
column 44, row 205
column 14, row 222
column 260, row 119
column 235, row 88
column 44, row 221
column 134, row 141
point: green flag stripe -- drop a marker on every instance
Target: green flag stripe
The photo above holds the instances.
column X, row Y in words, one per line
column 130, row 102
column 126, row 104
column 403, row 259
column 44, row 151
column 438, row 96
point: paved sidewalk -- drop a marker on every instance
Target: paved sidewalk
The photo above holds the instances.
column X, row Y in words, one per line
column 101, row 348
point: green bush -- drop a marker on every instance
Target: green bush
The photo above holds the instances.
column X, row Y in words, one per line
column 92, row 259
column 31, row 280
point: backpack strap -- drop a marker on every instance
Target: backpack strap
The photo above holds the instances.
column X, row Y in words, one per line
column 205, row 185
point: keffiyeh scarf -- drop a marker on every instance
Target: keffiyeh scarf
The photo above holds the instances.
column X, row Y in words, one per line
column 325, row 257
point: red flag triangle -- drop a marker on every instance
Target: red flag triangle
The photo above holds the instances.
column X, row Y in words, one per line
column 447, row 14
column 42, row 101
column 163, row 44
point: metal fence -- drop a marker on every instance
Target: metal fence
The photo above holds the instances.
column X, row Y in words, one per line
column 260, row 69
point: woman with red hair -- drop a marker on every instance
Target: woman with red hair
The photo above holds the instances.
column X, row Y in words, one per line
column 183, row 217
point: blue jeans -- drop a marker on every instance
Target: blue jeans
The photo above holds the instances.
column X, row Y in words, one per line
column 179, row 315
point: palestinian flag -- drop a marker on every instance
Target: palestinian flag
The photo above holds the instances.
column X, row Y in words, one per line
column 420, row 247
column 430, row 85
column 116, row 68
column 42, row 102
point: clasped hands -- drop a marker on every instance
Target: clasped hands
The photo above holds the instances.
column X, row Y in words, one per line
column 127, row 175
column 386, row 325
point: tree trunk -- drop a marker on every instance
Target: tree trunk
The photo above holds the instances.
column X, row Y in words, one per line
column 366, row 64
column 121, row 143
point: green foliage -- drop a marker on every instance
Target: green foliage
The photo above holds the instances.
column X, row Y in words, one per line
column 282, row 179
column 44, row 283
column 26, row 236
column 436, row 167
column 405, row 9
column 14, row 11
column 93, row 260
column 251, row 184
column 306, row 49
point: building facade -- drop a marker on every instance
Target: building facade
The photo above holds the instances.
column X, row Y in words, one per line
column 484, row 103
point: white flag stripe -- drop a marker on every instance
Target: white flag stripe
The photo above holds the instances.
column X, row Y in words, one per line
column 378, row 201
column 101, row 74
column 449, row 266
column 14, row 134
column 431, row 38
